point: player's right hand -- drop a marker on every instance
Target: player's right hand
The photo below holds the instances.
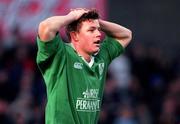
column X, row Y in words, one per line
column 77, row 13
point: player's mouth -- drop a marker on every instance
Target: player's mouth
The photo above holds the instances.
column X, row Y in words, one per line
column 97, row 42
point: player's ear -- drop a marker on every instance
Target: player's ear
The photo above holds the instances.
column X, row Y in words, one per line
column 74, row 35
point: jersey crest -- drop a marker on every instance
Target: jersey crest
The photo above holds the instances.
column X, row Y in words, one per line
column 78, row 65
column 101, row 68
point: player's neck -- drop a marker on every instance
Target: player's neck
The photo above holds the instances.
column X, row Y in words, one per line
column 86, row 56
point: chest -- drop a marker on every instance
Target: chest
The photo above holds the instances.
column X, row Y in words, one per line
column 80, row 70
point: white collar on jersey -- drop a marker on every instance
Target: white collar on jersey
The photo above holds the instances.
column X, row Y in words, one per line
column 90, row 64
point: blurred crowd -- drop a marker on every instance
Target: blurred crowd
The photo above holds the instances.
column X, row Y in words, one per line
column 142, row 87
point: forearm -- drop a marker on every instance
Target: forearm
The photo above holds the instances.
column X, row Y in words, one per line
column 49, row 27
column 120, row 33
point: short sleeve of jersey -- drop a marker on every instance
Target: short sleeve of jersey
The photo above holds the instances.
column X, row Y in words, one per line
column 111, row 49
column 47, row 50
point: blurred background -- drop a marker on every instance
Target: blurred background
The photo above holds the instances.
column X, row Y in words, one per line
column 143, row 85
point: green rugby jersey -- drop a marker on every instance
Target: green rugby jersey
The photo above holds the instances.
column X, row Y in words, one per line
column 74, row 90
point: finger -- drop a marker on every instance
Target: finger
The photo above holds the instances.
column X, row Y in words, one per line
column 84, row 9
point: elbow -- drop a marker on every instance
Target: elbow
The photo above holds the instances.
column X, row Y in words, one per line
column 129, row 35
column 128, row 38
column 43, row 28
column 44, row 31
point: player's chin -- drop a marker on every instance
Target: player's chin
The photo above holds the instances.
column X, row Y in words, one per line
column 96, row 49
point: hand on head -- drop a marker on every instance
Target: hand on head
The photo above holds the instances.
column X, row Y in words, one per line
column 78, row 12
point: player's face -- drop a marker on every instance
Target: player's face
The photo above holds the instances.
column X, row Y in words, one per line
column 89, row 36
